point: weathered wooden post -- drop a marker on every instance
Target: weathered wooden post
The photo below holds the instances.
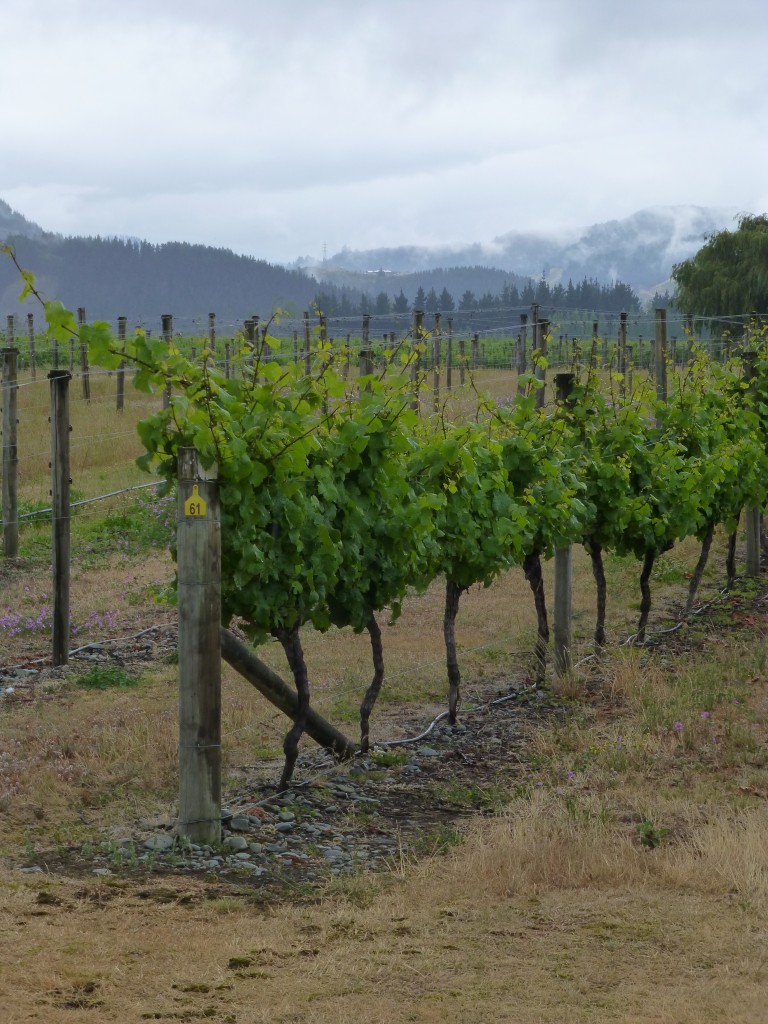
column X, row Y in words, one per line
column 166, row 325
column 564, row 384
column 660, row 355
column 84, row 370
column 522, row 342
column 307, row 353
column 121, row 324
column 475, row 351
column 541, row 330
column 689, row 337
column 449, row 355
column 436, row 344
column 753, row 516
column 60, row 506
column 199, row 589
column 462, row 361
column 10, row 504
column 418, row 331
column 212, row 334
column 31, row 337
column 366, row 354
column 622, row 355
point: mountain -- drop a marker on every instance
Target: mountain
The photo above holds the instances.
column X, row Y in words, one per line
column 113, row 277
column 639, row 250
column 14, row 224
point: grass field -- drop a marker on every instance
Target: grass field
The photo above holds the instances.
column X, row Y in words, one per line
column 625, row 877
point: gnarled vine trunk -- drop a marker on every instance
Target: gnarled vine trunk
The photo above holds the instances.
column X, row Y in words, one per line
column 289, row 638
column 532, row 570
column 452, row 597
column 730, row 560
column 698, row 572
column 595, row 552
column 645, row 590
column 377, row 652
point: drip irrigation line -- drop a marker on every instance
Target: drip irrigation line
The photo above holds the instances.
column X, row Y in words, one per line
column 89, row 501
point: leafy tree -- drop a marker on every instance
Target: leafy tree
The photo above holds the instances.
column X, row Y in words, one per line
column 729, row 274
column 420, row 299
column 432, row 303
column 381, row 306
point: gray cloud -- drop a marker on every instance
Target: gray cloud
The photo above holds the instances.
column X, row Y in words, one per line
column 274, row 128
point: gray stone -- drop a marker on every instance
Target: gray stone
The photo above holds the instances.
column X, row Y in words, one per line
column 239, row 823
column 159, row 843
column 102, row 871
column 235, row 843
column 243, row 855
column 34, row 870
column 428, row 752
column 256, row 848
column 285, row 826
column 286, row 816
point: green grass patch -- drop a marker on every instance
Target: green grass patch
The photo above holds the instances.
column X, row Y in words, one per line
column 107, row 677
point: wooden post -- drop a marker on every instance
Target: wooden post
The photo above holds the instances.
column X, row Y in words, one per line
column 689, row 336
column 621, row 365
column 121, row 324
column 366, row 355
column 71, row 355
column 564, row 385
column 522, row 344
column 32, row 353
column 541, row 329
column 418, row 319
column 753, row 515
column 199, row 589
column 475, row 351
column 753, row 518
column 167, row 328
column 660, row 355
column 307, row 356
column 212, row 334
column 10, row 504
column 449, row 356
column 84, row 370
column 462, row 361
column 60, row 503
column 436, row 345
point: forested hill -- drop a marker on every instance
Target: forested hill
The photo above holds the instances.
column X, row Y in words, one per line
column 112, row 277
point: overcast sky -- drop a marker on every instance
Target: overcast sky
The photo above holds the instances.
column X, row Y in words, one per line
column 274, row 127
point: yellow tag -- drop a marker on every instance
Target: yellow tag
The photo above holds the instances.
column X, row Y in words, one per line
column 194, row 505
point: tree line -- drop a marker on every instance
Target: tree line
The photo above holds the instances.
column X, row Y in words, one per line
column 587, row 294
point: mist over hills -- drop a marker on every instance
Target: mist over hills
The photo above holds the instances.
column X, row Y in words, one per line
column 639, row 250
column 113, row 277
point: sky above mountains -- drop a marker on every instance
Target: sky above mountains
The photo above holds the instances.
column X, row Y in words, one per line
column 277, row 130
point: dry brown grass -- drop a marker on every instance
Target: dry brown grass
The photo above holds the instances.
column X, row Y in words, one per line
column 534, row 918
column 554, row 911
